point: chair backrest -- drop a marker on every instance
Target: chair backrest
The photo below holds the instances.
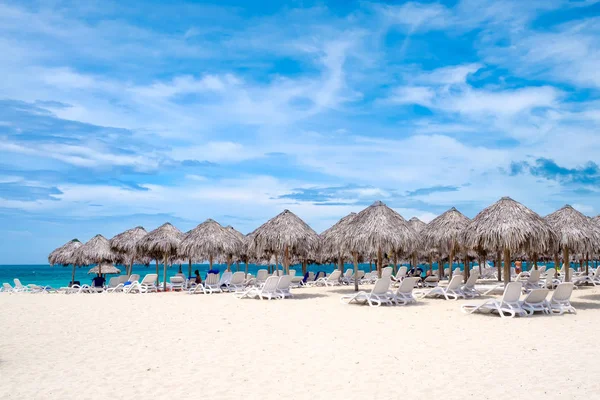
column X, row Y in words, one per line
column 401, row 272
column 457, row 271
column 284, row 282
column 455, row 282
column 149, row 279
column 360, row 274
column 382, row 285
column 277, row 272
column 319, row 275
column 226, row 277
column 472, row 279
column 563, row 292
column 348, row 273
column 542, row 269
column 311, row 276
column 334, row 276
column 7, row 287
column 271, row 284
column 597, row 273
column 292, row 273
column 212, row 279
column 536, row 296
column 262, row 275
column 534, row 276
column 121, row 279
column 134, row 278
column 177, row 279
column 407, row 285
column 237, row 278
column 387, row 272
column 512, row 292
column 113, row 282
column 18, row 283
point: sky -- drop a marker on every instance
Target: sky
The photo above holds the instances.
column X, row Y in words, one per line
column 118, row 114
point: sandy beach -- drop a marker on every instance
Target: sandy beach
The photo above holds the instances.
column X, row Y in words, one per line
column 174, row 345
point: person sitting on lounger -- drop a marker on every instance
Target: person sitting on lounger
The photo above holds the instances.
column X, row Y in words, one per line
column 98, row 281
column 416, row 272
column 198, row 277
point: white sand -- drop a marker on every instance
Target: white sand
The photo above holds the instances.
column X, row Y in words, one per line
column 180, row 346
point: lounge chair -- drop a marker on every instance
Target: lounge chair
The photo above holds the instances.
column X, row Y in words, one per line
column 379, row 295
column 593, row 278
column 112, row 284
column 550, row 281
column 147, row 285
column 533, row 281
column 19, row 287
column 430, row 281
column 210, row 285
column 403, row 295
column 452, row 291
column 468, row 288
column 237, row 282
column 560, row 302
column 261, row 277
column 536, row 301
column 6, row 288
column 348, row 276
column 369, row 277
column 283, row 287
column 267, row 291
column 507, row 307
column 387, row 272
column 400, row 275
column 332, row 280
column 177, row 283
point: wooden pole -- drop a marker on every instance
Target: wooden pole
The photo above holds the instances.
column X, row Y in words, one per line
column 189, row 267
column 440, row 268
column 499, row 266
column 379, row 262
column 73, row 274
column 567, row 263
column 587, row 263
column 246, row 268
column 506, row 266
column 286, row 260
column 276, row 269
column 304, row 267
column 430, row 265
column 370, row 266
column 450, row 261
column 165, row 273
column 480, row 261
column 229, row 262
column 355, row 256
column 341, row 264
column 395, row 270
column 156, row 271
column 467, row 266
column 237, row 266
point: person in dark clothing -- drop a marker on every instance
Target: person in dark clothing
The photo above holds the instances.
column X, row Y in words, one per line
column 98, row 281
column 198, row 278
column 416, row 272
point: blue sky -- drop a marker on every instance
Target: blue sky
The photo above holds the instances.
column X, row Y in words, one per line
column 117, row 114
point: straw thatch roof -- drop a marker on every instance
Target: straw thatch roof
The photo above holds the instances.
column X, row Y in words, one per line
column 210, row 239
column 162, row 241
column 574, row 230
column 378, row 227
column 417, row 224
column 94, row 251
column 284, row 230
column 105, row 268
column 64, row 254
column 243, row 254
column 125, row 244
column 331, row 246
column 444, row 231
column 508, row 224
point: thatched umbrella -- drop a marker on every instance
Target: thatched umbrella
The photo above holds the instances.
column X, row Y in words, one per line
column 64, row 255
column 576, row 233
column 104, row 268
column 418, row 226
column 443, row 233
column 125, row 245
column 209, row 240
column 94, row 251
column 161, row 242
column 375, row 230
column 285, row 233
column 331, row 248
column 508, row 226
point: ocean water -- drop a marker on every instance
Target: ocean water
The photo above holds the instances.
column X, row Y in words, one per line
column 44, row 274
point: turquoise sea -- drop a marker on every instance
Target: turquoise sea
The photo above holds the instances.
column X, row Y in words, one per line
column 44, row 274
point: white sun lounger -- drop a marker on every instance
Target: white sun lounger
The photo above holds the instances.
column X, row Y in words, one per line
column 550, row 281
column 261, row 277
column 209, row 286
column 468, row 289
column 147, row 285
column 237, row 282
column 404, row 294
column 348, row 276
column 593, row 278
column 379, row 294
column 19, row 287
column 536, row 301
column 400, row 275
column 507, row 307
column 6, row 288
column 332, row 280
column 560, row 302
column 177, row 283
column 283, row 287
column 267, row 291
column 387, row 272
column 533, row 281
column 452, row 291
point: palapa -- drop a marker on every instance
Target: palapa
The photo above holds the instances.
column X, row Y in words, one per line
column 125, row 246
column 161, row 242
column 332, row 248
column 444, row 233
column 508, row 226
column 284, row 234
column 576, row 233
column 94, row 251
column 104, row 268
column 375, row 230
column 65, row 255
